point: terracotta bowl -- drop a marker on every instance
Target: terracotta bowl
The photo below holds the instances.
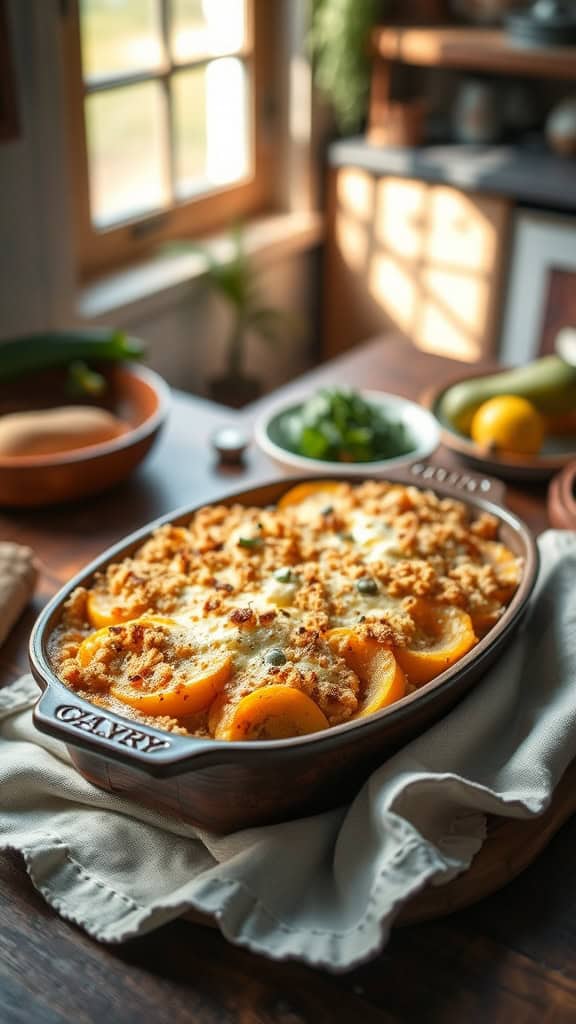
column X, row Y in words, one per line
column 135, row 394
column 562, row 499
column 229, row 785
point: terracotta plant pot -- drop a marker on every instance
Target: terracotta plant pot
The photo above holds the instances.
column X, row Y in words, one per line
column 235, row 390
column 397, row 123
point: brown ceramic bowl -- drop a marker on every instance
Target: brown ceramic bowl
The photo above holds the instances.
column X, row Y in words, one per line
column 135, row 394
column 229, row 785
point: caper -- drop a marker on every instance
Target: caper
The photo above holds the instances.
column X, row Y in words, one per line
column 367, row 585
column 275, row 657
column 284, row 575
column 327, row 510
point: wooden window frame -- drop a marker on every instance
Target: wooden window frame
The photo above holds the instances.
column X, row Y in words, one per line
column 101, row 250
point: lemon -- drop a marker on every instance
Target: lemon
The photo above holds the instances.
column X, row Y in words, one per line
column 508, row 423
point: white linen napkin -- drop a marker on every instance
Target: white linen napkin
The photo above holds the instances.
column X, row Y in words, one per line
column 326, row 889
column 18, row 575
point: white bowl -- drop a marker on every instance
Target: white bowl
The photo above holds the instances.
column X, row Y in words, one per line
column 420, row 425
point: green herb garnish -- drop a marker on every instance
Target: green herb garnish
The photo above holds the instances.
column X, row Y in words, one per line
column 249, row 542
column 284, row 575
column 341, row 426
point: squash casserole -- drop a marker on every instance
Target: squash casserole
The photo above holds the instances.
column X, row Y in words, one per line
column 264, row 623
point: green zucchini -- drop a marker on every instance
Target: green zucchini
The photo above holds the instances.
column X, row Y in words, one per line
column 60, row 348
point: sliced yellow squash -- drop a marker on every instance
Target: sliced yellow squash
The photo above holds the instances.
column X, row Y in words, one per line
column 273, row 712
column 443, row 636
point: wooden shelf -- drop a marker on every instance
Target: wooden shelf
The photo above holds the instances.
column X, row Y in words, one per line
column 473, row 49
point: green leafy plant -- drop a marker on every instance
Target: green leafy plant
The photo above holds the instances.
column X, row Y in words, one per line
column 339, row 40
column 236, row 279
column 237, row 282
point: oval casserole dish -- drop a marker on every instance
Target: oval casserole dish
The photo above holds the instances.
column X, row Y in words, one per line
column 223, row 785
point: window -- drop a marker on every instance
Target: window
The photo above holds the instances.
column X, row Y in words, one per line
column 168, row 100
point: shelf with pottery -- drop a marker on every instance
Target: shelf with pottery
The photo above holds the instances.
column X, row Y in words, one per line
column 418, row 234
column 473, row 49
column 395, row 121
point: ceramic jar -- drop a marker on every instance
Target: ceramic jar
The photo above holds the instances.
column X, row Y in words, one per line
column 475, row 116
column 561, row 128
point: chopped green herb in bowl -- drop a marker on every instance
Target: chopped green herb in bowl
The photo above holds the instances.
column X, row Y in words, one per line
column 341, row 426
column 351, row 428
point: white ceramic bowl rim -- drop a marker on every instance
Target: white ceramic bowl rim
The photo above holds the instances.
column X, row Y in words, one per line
column 421, row 424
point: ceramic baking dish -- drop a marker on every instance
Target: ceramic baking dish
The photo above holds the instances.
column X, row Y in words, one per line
column 224, row 786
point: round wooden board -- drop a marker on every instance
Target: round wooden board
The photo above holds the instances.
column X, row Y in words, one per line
column 510, row 846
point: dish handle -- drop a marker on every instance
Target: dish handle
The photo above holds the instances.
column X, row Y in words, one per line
column 77, row 723
column 458, row 483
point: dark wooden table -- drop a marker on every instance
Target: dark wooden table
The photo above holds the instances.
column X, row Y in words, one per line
column 510, row 958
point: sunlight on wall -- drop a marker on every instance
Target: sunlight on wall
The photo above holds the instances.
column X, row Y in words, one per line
column 453, row 305
column 463, row 296
column 438, row 333
column 397, row 291
column 423, row 255
column 459, row 235
column 399, row 216
column 353, row 241
column 356, row 194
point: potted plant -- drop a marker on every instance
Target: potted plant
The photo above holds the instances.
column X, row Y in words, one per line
column 339, row 36
column 343, row 64
column 236, row 281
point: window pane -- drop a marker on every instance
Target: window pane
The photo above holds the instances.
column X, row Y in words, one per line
column 227, row 118
column 210, row 125
column 120, row 36
column 189, row 104
column 127, row 152
column 206, row 27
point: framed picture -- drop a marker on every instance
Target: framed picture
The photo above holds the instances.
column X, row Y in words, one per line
column 8, row 111
column 541, row 295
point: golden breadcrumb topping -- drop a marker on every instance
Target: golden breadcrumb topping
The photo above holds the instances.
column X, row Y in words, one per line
column 204, row 615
